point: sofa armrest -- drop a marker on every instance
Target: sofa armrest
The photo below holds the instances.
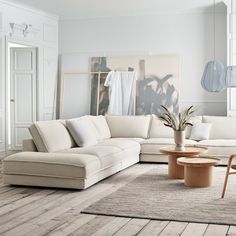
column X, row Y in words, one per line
column 29, row 146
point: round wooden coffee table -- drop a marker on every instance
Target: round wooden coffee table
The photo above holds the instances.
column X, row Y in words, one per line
column 198, row 172
column 176, row 171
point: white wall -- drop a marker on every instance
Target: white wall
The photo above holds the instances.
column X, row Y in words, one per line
column 232, row 59
column 188, row 34
column 47, row 42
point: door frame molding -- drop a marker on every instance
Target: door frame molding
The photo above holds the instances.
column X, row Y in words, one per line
column 6, row 75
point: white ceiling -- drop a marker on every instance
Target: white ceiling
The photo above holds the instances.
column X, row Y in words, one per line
column 107, row 8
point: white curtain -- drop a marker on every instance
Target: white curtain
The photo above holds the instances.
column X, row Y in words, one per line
column 121, row 92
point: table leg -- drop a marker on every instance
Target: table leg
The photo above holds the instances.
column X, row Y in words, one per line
column 175, row 171
column 198, row 176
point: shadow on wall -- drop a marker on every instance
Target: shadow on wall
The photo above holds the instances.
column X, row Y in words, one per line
column 153, row 92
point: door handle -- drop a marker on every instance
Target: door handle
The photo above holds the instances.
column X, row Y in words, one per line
column 12, row 100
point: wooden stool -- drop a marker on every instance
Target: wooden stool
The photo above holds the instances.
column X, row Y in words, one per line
column 230, row 166
column 198, row 172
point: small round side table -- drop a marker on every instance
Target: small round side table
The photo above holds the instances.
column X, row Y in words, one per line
column 176, row 171
column 198, row 172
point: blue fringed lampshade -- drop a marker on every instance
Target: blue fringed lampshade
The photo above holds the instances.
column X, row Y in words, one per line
column 230, row 78
column 213, row 79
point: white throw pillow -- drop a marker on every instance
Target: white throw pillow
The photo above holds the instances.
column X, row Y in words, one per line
column 200, row 131
column 82, row 131
column 193, row 120
column 101, row 126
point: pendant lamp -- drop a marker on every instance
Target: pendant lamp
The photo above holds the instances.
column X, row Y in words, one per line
column 213, row 78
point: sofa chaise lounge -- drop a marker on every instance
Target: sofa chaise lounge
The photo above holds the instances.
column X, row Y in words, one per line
column 52, row 159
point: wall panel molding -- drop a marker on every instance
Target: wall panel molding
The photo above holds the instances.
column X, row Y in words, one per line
column 231, row 37
column 49, row 77
column 203, row 101
column 210, row 107
column 48, row 116
column 49, row 33
column 1, row 23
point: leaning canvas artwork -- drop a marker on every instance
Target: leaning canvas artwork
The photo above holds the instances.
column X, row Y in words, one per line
column 157, row 82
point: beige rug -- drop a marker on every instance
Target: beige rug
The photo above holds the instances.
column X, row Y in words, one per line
column 154, row 196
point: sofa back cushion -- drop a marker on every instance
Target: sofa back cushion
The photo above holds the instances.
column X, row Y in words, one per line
column 222, row 127
column 51, row 136
column 159, row 130
column 129, row 126
column 102, row 127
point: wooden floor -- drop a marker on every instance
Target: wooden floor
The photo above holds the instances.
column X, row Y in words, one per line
column 40, row 211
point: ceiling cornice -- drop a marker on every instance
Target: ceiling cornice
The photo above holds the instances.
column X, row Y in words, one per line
column 143, row 14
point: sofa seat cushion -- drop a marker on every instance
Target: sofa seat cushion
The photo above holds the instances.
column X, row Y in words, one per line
column 108, row 155
column 153, row 145
column 219, row 147
column 138, row 140
column 51, row 136
column 57, row 165
column 122, row 143
column 129, row 126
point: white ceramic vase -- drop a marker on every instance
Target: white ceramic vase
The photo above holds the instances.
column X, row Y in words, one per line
column 179, row 137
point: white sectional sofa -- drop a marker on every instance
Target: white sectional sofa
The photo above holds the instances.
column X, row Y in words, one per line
column 52, row 158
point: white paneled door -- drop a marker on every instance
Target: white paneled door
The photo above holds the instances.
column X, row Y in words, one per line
column 23, row 71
